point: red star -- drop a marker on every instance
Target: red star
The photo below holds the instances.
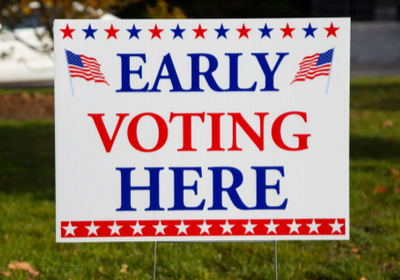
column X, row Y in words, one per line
column 331, row 30
column 156, row 32
column 199, row 32
column 67, row 32
column 243, row 32
column 287, row 31
column 112, row 32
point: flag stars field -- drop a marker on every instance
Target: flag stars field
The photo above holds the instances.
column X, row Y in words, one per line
column 200, row 32
column 143, row 228
column 67, row 32
column 134, row 32
column 178, row 31
column 287, row 31
column 92, row 229
column 309, row 31
column 243, row 31
column 89, row 32
column 137, row 229
column 265, row 31
column 156, row 32
column 331, row 30
column 112, row 32
column 222, row 31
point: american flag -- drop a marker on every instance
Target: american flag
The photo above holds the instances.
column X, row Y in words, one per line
column 82, row 66
column 313, row 66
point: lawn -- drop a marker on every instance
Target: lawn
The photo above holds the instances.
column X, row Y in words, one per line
column 27, row 214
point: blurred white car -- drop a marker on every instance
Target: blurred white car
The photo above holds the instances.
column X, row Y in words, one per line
column 20, row 66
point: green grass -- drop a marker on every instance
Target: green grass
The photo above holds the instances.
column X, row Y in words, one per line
column 27, row 214
column 5, row 91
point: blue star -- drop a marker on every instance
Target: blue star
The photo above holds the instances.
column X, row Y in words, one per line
column 178, row 32
column 221, row 31
column 309, row 30
column 134, row 32
column 265, row 31
column 89, row 32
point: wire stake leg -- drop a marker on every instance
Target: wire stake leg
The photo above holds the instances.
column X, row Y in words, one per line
column 154, row 257
column 276, row 261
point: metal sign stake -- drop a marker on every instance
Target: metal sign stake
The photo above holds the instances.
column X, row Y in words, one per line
column 154, row 263
column 276, row 261
column 155, row 258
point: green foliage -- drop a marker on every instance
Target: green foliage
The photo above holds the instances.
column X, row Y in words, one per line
column 42, row 13
column 27, row 211
column 244, row 8
column 5, row 91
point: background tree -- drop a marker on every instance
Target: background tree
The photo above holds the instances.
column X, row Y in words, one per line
column 40, row 14
column 230, row 9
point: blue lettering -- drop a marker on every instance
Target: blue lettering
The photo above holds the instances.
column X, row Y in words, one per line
column 262, row 187
column 231, row 191
column 233, row 74
column 269, row 75
column 126, row 72
column 172, row 75
column 179, row 189
column 213, row 65
column 126, row 188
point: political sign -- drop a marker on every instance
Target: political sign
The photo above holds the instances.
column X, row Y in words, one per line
column 202, row 130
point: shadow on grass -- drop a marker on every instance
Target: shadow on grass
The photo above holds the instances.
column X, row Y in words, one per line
column 27, row 158
column 374, row 148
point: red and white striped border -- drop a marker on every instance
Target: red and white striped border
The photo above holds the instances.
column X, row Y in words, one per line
column 232, row 227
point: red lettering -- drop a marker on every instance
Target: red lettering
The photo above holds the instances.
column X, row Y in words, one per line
column 162, row 132
column 105, row 138
column 215, row 131
column 237, row 118
column 187, row 128
column 277, row 137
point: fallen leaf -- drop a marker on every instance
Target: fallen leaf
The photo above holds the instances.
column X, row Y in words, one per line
column 379, row 189
column 355, row 250
column 101, row 269
column 23, row 266
column 387, row 123
column 124, row 268
column 5, row 273
column 362, row 278
column 390, row 266
column 6, row 237
column 19, row 265
column 395, row 173
column 33, row 272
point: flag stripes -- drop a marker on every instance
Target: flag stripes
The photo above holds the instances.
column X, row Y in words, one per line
column 82, row 66
column 314, row 66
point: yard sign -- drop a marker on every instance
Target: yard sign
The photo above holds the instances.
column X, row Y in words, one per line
column 202, row 130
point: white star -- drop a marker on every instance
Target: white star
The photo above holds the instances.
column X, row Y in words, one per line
column 294, row 227
column 249, row 227
column 115, row 228
column 159, row 228
column 313, row 227
column 271, row 227
column 227, row 227
column 204, row 227
column 336, row 227
column 137, row 228
column 182, row 228
column 92, row 229
column 70, row 229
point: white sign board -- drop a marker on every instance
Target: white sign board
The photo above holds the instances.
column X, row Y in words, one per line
column 202, row 130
